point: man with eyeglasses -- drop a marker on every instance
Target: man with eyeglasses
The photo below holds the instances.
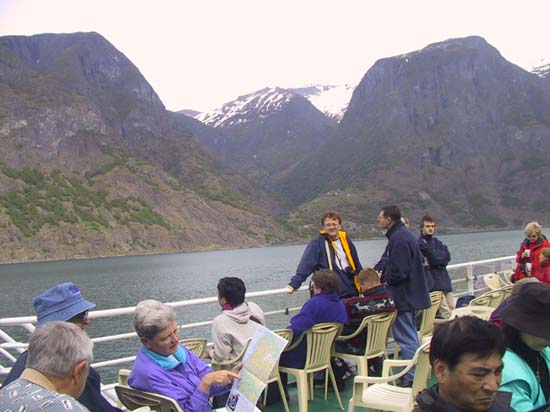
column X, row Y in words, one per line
column 332, row 250
column 64, row 302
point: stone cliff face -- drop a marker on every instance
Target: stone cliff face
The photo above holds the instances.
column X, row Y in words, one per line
column 92, row 163
column 453, row 129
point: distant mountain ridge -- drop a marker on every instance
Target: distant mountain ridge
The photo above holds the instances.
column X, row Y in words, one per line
column 265, row 134
column 332, row 100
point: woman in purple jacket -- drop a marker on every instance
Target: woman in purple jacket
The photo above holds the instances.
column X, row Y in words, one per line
column 166, row 367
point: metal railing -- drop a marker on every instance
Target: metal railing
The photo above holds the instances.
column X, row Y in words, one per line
column 465, row 277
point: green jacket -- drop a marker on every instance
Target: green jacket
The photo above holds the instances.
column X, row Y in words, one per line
column 518, row 378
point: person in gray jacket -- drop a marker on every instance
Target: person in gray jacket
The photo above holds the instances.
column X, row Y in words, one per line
column 237, row 323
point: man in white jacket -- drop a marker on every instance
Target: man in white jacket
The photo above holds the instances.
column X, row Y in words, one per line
column 237, row 323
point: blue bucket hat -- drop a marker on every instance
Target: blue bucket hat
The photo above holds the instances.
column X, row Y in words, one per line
column 62, row 302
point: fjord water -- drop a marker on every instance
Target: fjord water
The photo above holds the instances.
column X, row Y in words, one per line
column 124, row 281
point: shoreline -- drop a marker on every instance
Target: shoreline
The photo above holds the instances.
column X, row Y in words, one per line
column 207, row 249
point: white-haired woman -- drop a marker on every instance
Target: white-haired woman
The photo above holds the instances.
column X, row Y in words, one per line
column 166, row 367
column 527, row 257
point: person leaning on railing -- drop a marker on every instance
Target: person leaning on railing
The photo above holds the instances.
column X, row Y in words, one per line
column 166, row 367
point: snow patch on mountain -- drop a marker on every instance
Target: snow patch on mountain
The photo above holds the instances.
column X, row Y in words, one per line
column 541, row 67
column 260, row 103
column 332, row 100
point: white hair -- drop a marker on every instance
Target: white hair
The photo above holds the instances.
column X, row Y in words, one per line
column 151, row 316
column 56, row 347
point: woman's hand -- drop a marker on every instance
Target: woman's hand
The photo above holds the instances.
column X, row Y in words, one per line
column 219, row 378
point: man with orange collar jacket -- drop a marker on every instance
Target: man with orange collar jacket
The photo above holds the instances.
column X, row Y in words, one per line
column 333, row 250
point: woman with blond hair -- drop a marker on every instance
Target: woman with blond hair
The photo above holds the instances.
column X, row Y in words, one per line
column 527, row 257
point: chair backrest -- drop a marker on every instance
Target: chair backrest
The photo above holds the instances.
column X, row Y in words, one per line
column 506, row 276
column 286, row 334
column 422, row 371
column 195, row 345
column 491, row 299
column 428, row 315
column 320, row 339
column 133, row 399
column 228, row 364
column 507, row 289
column 378, row 330
column 482, row 312
column 493, row 281
column 123, row 375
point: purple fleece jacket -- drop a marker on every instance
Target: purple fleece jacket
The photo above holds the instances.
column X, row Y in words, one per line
column 325, row 307
column 180, row 383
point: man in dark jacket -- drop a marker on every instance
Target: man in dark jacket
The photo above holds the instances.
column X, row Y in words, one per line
column 466, row 357
column 64, row 302
column 333, row 250
column 436, row 259
column 404, row 274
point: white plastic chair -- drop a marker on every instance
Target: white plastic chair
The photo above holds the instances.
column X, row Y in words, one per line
column 428, row 316
column 376, row 393
column 275, row 375
column 378, row 329
column 320, row 339
column 195, row 345
column 228, row 364
column 135, row 399
column 491, row 299
column 493, row 281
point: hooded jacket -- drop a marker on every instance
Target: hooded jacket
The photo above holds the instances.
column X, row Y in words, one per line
column 535, row 248
column 232, row 328
column 429, row 401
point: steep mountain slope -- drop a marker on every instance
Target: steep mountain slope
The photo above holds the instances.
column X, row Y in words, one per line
column 93, row 164
column 453, row 129
column 266, row 133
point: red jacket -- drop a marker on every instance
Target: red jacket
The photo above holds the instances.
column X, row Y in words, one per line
column 544, row 272
column 535, row 248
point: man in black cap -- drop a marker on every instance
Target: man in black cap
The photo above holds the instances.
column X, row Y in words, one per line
column 64, row 302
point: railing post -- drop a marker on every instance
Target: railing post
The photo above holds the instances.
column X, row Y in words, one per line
column 470, row 277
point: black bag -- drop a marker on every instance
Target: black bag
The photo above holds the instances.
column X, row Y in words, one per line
column 464, row 301
column 341, row 372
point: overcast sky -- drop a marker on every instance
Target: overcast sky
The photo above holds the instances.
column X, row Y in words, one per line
column 199, row 54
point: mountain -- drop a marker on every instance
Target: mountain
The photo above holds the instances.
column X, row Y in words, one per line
column 453, row 130
column 92, row 163
column 542, row 68
column 332, row 100
column 265, row 134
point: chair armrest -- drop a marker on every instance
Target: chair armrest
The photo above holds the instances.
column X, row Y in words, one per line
column 358, row 331
column 296, row 342
column 396, row 363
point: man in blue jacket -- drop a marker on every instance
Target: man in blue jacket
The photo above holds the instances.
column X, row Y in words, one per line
column 332, row 250
column 404, row 274
column 436, row 259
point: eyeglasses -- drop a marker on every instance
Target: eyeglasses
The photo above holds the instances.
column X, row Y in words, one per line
column 168, row 338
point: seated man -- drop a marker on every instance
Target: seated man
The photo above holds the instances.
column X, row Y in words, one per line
column 64, row 302
column 58, row 362
column 375, row 298
column 323, row 307
column 166, row 367
column 237, row 323
column 466, row 357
